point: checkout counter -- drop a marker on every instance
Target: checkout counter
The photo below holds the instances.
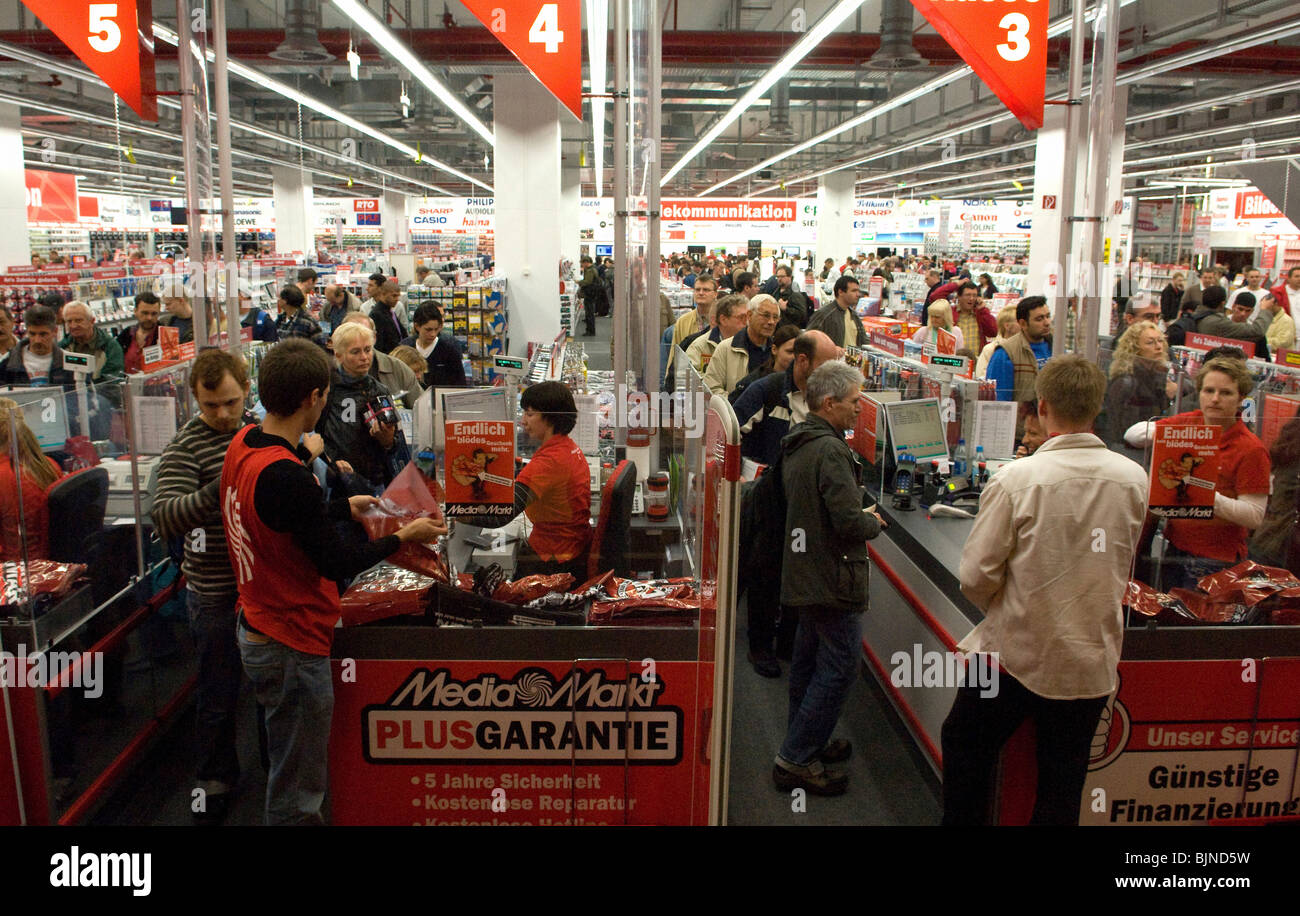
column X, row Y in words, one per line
column 552, row 724
column 1197, row 705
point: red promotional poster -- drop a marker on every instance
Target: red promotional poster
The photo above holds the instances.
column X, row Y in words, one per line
column 51, row 197
column 504, row 743
column 945, row 342
column 1004, row 43
column 1184, row 467
column 882, row 341
column 115, row 40
column 864, row 433
column 1195, row 341
column 544, row 37
column 1278, row 411
column 480, row 461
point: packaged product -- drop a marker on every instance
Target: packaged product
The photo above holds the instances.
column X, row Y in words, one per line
column 387, row 591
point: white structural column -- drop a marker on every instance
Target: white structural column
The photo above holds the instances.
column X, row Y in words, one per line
column 570, row 211
column 1114, row 195
column 394, row 221
column 835, row 198
column 294, row 222
column 529, row 219
column 1045, row 274
column 15, row 247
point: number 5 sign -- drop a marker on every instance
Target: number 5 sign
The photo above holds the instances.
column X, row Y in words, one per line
column 110, row 39
column 545, row 37
column 1005, row 43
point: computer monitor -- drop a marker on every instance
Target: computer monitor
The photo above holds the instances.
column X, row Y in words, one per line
column 916, row 428
column 604, row 251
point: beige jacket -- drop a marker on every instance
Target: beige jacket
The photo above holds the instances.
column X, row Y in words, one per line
column 1048, row 561
column 700, row 352
column 1281, row 333
column 684, row 327
column 729, row 365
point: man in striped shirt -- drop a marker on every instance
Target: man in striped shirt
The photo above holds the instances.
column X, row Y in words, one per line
column 187, row 506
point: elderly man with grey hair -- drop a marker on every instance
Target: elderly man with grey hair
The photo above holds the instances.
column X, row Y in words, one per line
column 824, row 575
column 83, row 337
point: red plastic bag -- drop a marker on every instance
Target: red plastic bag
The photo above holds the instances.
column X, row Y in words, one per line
column 524, row 590
column 660, row 600
column 411, row 495
column 43, row 577
column 386, row 591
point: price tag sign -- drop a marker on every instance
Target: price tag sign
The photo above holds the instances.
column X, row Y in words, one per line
column 545, row 37
column 1004, row 43
column 112, row 39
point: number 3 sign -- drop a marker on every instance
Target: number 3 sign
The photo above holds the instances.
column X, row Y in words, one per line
column 110, row 40
column 545, row 37
column 1004, row 42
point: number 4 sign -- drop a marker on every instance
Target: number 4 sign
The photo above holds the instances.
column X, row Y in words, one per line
column 110, row 40
column 1005, row 44
column 545, row 37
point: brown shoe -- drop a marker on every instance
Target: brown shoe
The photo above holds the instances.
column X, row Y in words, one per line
column 814, row 778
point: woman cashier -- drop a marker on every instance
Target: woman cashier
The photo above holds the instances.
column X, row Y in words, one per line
column 1199, row 547
column 553, row 491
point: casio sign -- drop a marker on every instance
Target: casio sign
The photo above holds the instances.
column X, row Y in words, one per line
column 430, row 220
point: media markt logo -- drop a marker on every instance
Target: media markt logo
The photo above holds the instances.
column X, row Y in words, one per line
column 528, row 718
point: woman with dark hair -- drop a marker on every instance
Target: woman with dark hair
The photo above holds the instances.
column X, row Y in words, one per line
column 1274, row 542
column 778, row 360
column 987, row 289
column 553, row 491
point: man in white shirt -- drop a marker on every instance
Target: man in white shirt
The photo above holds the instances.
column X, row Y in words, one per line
column 1254, row 286
column 1047, row 561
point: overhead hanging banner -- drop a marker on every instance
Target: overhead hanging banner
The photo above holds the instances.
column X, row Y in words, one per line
column 545, row 37
column 115, row 40
column 51, row 196
column 1004, row 43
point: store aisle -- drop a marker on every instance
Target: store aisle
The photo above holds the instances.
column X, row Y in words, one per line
column 889, row 783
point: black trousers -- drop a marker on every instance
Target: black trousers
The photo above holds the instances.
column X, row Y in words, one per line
column 976, row 729
column 768, row 620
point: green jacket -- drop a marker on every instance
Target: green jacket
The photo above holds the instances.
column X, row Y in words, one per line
column 109, row 362
column 826, row 531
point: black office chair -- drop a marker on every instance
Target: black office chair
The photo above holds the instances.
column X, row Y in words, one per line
column 609, row 545
column 77, row 505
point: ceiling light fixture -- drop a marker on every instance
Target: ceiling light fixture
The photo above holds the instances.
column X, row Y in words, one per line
column 387, row 41
column 811, row 39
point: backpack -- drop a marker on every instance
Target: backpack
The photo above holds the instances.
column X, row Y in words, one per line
column 1178, row 331
column 762, row 523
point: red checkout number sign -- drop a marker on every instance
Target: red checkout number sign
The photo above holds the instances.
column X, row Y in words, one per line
column 545, row 37
column 108, row 38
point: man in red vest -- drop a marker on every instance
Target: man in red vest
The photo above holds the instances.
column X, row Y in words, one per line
column 1287, row 293
column 288, row 556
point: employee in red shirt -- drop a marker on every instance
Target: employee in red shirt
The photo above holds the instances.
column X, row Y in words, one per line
column 1199, row 547
column 554, row 489
column 39, row 472
column 288, row 557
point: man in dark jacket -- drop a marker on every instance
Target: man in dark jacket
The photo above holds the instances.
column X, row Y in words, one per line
column 389, row 329
column 794, row 304
column 441, row 356
column 36, row 360
column 1210, row 319
column 836, row 318
column 766, row 411
column 824, row 575
column 1170, row 297
column 592, row 289
column 134, row 338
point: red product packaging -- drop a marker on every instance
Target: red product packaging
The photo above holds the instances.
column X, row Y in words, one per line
column 524, row 590
column 43, row 577
column 674, row 599
column 411, row 495
column 386, row 591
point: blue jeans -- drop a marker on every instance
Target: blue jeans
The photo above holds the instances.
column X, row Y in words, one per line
column 297, row 691
column 825, row 661
column 212, row 621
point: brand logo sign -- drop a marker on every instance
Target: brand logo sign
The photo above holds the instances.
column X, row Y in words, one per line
column 533, row 717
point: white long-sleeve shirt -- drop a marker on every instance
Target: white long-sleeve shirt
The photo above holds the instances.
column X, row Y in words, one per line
column 1048, row 560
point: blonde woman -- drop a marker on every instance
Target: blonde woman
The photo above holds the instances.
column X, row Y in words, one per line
column 940, row 316
column 1008, row 327
column 38, row 473
column 1140, row 387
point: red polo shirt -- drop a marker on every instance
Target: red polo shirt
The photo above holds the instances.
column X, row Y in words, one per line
column 560, row 482
column 1243, row 469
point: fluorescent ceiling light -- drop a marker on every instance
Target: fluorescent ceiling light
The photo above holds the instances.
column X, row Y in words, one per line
column 1230, row 99
column 597, row 52
column 308, row 101
column 1217, row 132
column 811, row 39
column 386, row 40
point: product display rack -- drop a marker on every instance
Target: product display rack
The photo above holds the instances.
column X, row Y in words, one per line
column 66, row 240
